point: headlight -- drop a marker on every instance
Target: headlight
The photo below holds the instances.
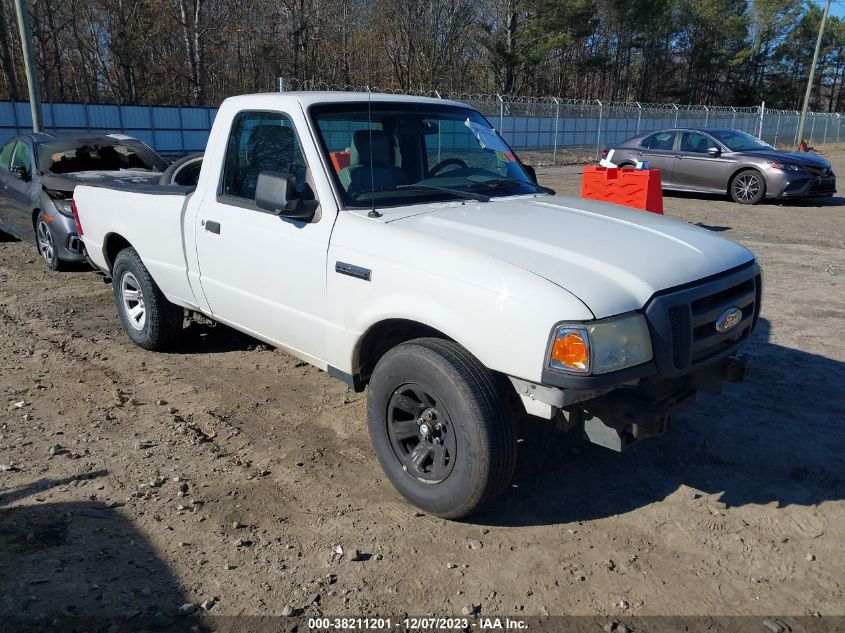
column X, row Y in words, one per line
column 61, row 201
column 785, row 166
column 63, row 207
column 599, row 347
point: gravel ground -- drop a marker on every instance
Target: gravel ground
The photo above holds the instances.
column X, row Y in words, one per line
column 225, row 473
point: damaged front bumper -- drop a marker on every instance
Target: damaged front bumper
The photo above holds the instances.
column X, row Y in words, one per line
column 621, row 416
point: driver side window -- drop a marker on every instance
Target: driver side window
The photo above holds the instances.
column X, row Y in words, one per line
column 6, row 155
column 22, row 156
column 260, row 141
column 696, row 143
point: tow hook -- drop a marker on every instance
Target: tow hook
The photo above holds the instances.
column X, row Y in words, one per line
column 736, row 368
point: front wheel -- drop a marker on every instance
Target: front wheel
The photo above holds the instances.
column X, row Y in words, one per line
column 46, row 243
column 748, row 187
column 150, row 320
column 439, row 427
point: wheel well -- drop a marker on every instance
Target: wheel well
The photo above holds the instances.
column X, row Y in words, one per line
column 387, row 334
column 114, row 243
column 35, row 213
column 382, row 337
column 738, row 171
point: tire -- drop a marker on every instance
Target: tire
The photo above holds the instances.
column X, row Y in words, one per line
column 184, row 171
column 158, row 322
column 748, row 187
column 627, row 166
column 427, row 382
column 45, row 241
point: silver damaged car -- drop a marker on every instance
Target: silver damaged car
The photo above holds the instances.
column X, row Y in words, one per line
column 723, row 160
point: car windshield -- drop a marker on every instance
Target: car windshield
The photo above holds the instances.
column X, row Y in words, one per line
column 737, row 141
column 103, row 153
column 390, row 154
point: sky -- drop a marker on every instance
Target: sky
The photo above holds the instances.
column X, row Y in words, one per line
column 837, row 8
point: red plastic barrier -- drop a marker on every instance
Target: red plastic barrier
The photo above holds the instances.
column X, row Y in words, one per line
column 339, row 160
column 630, row 187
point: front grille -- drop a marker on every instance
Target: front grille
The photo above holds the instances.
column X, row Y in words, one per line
column 829, row 184
column 688, row 318
column 676, row 323
column 824, row 172
column 706, row 341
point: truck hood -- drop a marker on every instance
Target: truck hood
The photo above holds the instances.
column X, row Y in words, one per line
column 612, row 258
column 68, row 182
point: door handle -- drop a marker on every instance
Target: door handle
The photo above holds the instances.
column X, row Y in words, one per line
column 680, row 156
column 211, row 226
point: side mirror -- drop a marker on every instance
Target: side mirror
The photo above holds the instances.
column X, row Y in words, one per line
column 19, row 171
column 275, row 192
column 714, row 151
column 532, row 173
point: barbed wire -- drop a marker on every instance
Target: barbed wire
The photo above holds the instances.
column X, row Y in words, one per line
column 553, row 129
column 512, row 102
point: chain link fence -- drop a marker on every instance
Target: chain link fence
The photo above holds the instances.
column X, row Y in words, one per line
column 554, row 131
column 545, row 131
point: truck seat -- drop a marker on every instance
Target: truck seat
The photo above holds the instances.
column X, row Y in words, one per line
column 378, row 153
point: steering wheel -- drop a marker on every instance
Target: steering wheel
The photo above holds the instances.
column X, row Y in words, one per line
column 445, row 163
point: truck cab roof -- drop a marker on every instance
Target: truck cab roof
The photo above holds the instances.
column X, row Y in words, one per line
column 309, row 98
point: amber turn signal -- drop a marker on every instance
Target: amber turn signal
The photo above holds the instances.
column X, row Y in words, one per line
column 571, row 351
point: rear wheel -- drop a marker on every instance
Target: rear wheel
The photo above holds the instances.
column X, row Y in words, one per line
column 439, row 427
column 748, row 187
column 150, row 320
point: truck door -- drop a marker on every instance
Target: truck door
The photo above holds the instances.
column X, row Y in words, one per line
column 262, row 273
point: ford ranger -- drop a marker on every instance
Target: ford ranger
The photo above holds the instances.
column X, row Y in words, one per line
column 399, row 244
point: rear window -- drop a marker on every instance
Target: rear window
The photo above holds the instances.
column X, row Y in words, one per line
column 660, row 140
column 97, row 154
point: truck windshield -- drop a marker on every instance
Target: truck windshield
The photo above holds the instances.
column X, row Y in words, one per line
column 390, row 154
column 102, row 153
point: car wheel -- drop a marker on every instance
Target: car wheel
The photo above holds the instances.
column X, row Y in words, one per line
column 627, row 166
column 46, row 243
column 150, row 320
column 748, row 187
column 440, row 428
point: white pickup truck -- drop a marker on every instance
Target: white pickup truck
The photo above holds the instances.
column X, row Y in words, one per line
column 398, row 243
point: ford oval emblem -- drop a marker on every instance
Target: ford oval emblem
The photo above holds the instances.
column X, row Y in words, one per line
column 728, row 320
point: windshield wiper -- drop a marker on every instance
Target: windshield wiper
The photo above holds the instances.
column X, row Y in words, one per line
column 479, row 197
column 498, row 182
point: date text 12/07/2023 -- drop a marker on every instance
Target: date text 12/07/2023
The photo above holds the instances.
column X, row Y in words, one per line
column 415, row 624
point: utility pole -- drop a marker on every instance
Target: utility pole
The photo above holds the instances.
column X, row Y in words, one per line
column 812, row 72
column 29, row 65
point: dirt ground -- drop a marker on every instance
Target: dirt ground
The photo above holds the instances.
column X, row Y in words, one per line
column 225, row 472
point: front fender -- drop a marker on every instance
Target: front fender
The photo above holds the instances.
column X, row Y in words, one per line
column 501, row 313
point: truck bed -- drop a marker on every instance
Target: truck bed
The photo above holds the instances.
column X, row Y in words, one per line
column 150, row 218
